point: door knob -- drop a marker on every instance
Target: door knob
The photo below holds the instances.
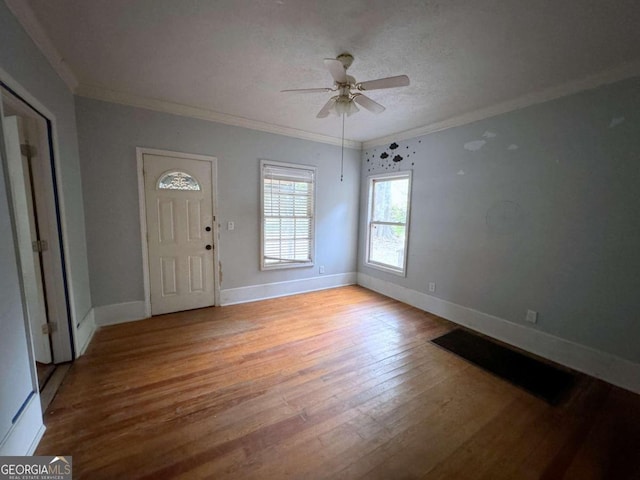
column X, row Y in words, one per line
column 208, row 247
column 208, row 229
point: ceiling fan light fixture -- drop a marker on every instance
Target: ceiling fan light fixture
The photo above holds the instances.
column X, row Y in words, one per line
column 344, row 106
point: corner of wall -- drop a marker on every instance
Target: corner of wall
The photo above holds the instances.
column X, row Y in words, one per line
column 119, row 313
column 85, row 330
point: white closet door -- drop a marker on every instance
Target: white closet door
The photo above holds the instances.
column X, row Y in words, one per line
column 16, row 383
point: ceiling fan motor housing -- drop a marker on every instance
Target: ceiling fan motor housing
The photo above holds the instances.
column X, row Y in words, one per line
column 345, row 88
column 346, row 59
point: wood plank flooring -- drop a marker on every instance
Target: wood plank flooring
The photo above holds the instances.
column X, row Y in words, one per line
column 44, row 372
column 338, row 384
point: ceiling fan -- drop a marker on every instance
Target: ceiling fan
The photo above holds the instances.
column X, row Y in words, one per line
column 349, row 90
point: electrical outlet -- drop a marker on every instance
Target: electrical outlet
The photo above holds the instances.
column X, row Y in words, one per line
column 432, row 287
column 321, row 269
column 231, row 225
column 532, row 316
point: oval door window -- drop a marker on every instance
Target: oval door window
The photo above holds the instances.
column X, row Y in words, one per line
column 178, row 181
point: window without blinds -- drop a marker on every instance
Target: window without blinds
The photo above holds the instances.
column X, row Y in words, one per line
column 387, row 235
column 288, row 193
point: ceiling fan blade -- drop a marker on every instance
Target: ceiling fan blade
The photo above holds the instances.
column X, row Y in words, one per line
column 307, row 90
column 336, row 69
column 389, row 82
column 367, row 103
column 324, row 111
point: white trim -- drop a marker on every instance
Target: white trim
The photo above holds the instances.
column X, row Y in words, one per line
column 84, row 332
column 165, row 106
column 622, row 72
column 16, row 87
column 252, row 293
column 25, row 16
column 133, row 311
column 36, row 440
column 60, row 337
column 371, row 179
column 143, row 232
column 25, row 434
column 596, row 363
column 140, row 153
column 312, row 247
column 119, row 313
column 62, row 348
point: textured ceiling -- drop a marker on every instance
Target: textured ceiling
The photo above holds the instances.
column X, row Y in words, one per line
column 234, row 56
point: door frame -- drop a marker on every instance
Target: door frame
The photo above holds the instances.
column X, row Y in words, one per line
column 66, row 341
column 140, row 153
column 22, row 171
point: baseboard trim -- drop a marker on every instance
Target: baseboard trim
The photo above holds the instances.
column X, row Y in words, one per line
column 605, row 366
column 84, row 332
column 252, row 293
column 132, row 311
column 24, row 436
column 36, row 440
column 119, row 313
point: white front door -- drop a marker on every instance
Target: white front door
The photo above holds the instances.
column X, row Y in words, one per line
column 27, row 236
column 180, row 232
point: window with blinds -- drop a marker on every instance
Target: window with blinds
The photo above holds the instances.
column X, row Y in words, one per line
column 288, row 211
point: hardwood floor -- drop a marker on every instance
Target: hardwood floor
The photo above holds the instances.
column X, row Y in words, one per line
column 48, row 393
column 341, row 383
column 44, row 372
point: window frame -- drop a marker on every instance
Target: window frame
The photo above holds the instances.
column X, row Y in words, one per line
column 174, row 171
column 312, row 240
column 371, row 180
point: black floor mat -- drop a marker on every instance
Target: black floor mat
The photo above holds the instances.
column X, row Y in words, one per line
column 536, row 377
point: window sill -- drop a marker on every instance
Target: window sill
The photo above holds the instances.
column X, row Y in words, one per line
column 286, row 266
column 386, row 268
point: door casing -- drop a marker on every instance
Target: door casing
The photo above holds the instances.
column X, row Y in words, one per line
column 140, row 152
column 72, row 333
column 28, row 223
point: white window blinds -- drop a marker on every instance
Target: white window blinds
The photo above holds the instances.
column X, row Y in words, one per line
column 288, row 206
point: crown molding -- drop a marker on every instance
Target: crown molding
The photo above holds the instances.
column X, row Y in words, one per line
column 112, row 96
column 25, row 16
column 622, row 72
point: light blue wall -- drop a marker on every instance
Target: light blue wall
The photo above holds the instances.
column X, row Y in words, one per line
column 109, row 135
column 550, row 224
column 543, row 216
column 22, row 60
column 23, row 64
